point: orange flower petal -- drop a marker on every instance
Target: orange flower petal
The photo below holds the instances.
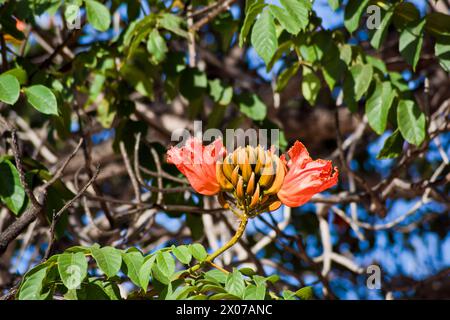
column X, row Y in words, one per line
column 20, row 25
column 305, row 177
column 198, row 164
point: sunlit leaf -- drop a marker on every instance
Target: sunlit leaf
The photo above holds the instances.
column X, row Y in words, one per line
column 411, row 122
column 98, row 15
column 9, row 89
column 264, row 37
column 12, row 192
column 42, row 99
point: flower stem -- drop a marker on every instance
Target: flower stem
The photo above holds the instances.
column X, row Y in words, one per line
column 218, row 267
column 228, row 245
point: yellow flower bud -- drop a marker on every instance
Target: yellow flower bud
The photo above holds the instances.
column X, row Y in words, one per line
column 250, row 179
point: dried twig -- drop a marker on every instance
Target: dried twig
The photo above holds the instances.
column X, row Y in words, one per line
column 225, row 5
column 57, row 215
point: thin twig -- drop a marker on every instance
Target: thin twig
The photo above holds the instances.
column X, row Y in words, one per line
column 61, row 169
column 57, row 215
column 225, row 5
column 20, row 170
column 131, row 174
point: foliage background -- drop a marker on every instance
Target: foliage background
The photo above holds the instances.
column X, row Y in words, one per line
column 132, row 67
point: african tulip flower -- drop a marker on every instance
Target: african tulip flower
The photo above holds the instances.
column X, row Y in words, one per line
column 198, row 164
column 253, row 179
column 305, row 177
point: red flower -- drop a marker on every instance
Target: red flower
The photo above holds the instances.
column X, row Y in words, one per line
column 305, row 177
column 291, row 182
column 198, row 164
column 20, row 25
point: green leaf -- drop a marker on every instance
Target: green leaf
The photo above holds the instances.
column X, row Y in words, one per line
column 345, row 53
column 259, row 281
column 378, row 106
column 310, row 85
column 410, row 42
column 252, row 11
column 283, row 48
column 19, row 73
column 220, row 93
column 95, row 289
column 223, row 296
column 97, row 15
column 198, row 251
column 323, row 47
column 109, row 260
column 353, row 13
column 165, row 263
column 156, row 46
column 136, row 33
column 285, row 19
column 334, row 4
column 332, row 71
column 377, row 64
column 133, row 261
column 398, row 81
column 285, row 76
column 183, row 254
column 216, row 275
column 299, row 10
column 411, row 122
column 273, row 278
column 181, row 293
column 356, row 83
column 250, row 105
column 305, row 293
column 9, row 89
column 264, row 37
column 111, row 289
column 253, row 292
column 31, row 288
column 235, row 283
column 42, row 99
column 361, row 76
column 405, row 13
column 71, row 12
column 379, row 33
column 246, row 271
column 193, row 83
column 12, row 192
column 145, row 271
column 75, row 249
column 288, row 295
column 393, row 146
column 160, row 279
column 328, row 53
column 106, row 113
column 438, row 24
column 294, row 16
column 442, row 51
column 72, row 269
column 173, row 24
column 210, row 287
